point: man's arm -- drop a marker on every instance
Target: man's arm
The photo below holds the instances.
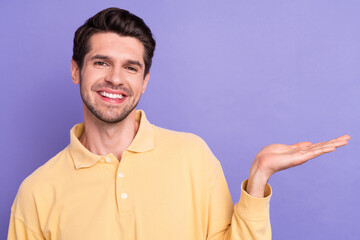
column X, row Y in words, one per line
column 19, row 230
column 24, row 219
column 249, row 218
column 277, row 157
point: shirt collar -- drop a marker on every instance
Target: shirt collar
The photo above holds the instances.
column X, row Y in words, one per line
column 82, row 157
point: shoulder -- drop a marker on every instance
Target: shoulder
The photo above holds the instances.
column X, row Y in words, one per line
column 188, row 150
column 41, row 178
column 186, row 146
column 35, row 195
column 181, row 139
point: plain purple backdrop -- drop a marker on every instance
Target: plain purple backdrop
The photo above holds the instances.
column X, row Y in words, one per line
column 240, row 74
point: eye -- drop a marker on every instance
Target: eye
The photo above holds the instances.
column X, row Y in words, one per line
column 101, row 64
column 132, row 69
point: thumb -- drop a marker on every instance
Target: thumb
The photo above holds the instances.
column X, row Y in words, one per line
column 302, row 144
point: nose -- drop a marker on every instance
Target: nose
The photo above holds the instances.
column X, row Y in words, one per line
column 115, row 76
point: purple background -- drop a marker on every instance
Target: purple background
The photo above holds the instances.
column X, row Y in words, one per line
column 241, row 74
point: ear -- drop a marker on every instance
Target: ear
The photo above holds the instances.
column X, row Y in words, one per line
column 145, row 82
column 75, row 72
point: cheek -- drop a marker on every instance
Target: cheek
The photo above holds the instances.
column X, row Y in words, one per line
column 134, row 82
column 89, row 79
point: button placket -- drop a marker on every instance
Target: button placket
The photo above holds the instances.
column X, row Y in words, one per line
column 121, row 180
column 121, row 187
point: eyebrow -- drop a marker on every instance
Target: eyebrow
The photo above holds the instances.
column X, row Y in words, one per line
column 128, row 61
column 98, row 56
column 134, row 62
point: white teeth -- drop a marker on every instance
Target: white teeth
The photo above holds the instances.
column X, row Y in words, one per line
column 111, row 95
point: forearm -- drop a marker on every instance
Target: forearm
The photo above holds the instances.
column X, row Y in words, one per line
column 257, row 183
column 251, row 220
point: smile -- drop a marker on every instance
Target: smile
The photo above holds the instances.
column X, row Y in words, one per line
column 112, row 95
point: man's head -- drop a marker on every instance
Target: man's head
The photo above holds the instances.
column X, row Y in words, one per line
column 111, row 62
column 117, row 21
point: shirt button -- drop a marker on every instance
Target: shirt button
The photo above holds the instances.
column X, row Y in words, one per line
column 121, row 174
column 124, row 195
column 107, row 159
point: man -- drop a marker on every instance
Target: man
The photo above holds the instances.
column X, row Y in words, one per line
column 123, row 178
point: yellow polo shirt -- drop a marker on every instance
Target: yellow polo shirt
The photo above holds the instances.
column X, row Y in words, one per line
column 167, row 186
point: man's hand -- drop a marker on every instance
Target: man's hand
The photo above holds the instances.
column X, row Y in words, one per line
column 277, row 157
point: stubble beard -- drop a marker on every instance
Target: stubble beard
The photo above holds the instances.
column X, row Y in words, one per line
column 108, row 115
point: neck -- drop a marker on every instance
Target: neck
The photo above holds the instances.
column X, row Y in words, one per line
column 103, row 138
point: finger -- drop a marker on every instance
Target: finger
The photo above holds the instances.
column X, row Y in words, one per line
column 313, row 153
column 336, row 144
column 302, row 156
column 328, row 143
column 302, row 144
column 344, row 137
column 340, row 143
column 340, row 140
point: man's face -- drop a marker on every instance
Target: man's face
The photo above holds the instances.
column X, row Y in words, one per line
column 112, row 77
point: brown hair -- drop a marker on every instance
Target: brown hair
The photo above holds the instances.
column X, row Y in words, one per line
column 118, row 21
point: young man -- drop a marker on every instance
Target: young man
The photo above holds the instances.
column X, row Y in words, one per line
column 123, row 178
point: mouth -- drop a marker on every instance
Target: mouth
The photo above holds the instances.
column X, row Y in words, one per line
column 111, row 96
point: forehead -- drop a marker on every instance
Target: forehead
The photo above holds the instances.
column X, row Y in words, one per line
column 116, row 46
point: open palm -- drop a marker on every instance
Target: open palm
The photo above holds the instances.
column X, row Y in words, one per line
column 277, row 157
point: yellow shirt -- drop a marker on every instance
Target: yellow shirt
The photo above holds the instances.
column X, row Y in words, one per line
column 167, row 186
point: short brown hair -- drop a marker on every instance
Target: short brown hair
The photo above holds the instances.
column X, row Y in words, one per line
column 118, row 21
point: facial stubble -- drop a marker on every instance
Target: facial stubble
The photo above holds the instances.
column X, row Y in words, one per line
column 102, row 114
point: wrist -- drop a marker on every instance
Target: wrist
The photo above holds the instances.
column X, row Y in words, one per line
column 256, row 184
